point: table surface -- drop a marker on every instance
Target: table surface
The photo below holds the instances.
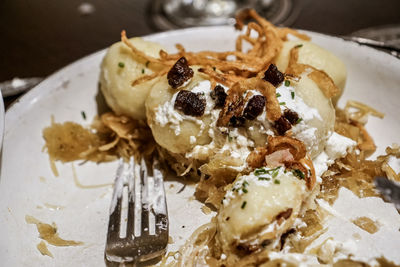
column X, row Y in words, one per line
column 38, row 37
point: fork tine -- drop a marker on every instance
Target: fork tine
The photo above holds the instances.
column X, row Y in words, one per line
column 144, row 199
column 115, row 208
column 138, row 245
column 159, row 208
column 133, row 173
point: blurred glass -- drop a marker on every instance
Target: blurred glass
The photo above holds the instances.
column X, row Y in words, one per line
column 170, row 14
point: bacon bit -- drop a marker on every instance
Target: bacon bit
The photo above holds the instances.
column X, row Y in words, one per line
column 273, row 75
column 321, row 78
column 296, row 147
column 179, row 73
column 234, row 103
column 219, row 96
column 256, row 158
column 254, row 107
column 282, row 125
column 291, row 116
column 190, row 103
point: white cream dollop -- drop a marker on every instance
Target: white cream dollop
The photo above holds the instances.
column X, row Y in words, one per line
column 337, row 147
column 166, row 113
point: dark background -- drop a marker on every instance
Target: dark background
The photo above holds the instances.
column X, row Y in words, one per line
column 37, row 37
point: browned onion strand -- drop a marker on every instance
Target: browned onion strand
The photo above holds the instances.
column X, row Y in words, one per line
column 264, row 48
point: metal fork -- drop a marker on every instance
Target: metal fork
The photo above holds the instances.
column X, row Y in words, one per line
column 138, row 223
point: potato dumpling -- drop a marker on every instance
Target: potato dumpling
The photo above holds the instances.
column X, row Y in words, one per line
column 259, row 208
column 309, row 91
column 119, row 68
column 317, row 57
column 315, row 111
column 173, row 130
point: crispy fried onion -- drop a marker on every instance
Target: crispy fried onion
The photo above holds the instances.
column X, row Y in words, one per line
column 287, row 151
column 131, row 138
column 227, row 68
column 350, row 123
column 357, row 111
column 235, row 101
column 320, row 77
column 393, row 151
column 296, row 147
column 357, row 173
column 109, row 137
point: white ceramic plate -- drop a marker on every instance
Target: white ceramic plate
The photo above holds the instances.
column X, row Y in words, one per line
column 28, row 186
column 2, row 118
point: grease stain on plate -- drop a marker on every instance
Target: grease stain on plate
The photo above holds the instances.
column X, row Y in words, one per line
column 49, row 233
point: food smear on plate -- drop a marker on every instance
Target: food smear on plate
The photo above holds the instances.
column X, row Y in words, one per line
column 43, row 249
column 49, row 233
column 259, row 131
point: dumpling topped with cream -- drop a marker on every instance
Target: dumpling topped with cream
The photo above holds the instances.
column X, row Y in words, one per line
column 221, row 126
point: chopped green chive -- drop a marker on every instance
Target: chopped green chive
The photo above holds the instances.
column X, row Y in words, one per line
column 287, row 83
column 245, row 183
column 121, row 64
column 244, row 204
column 244, row 190
column 299, row 45
column 299, row 120
column 278, row 94
column 142, row 71
column 276, row 181
column 298, row 173
column 292, row 93
column 260, row 171
column 230, row 138
column 264, row 178
column 282, row 103
column 275, row 173
column 83, row 115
